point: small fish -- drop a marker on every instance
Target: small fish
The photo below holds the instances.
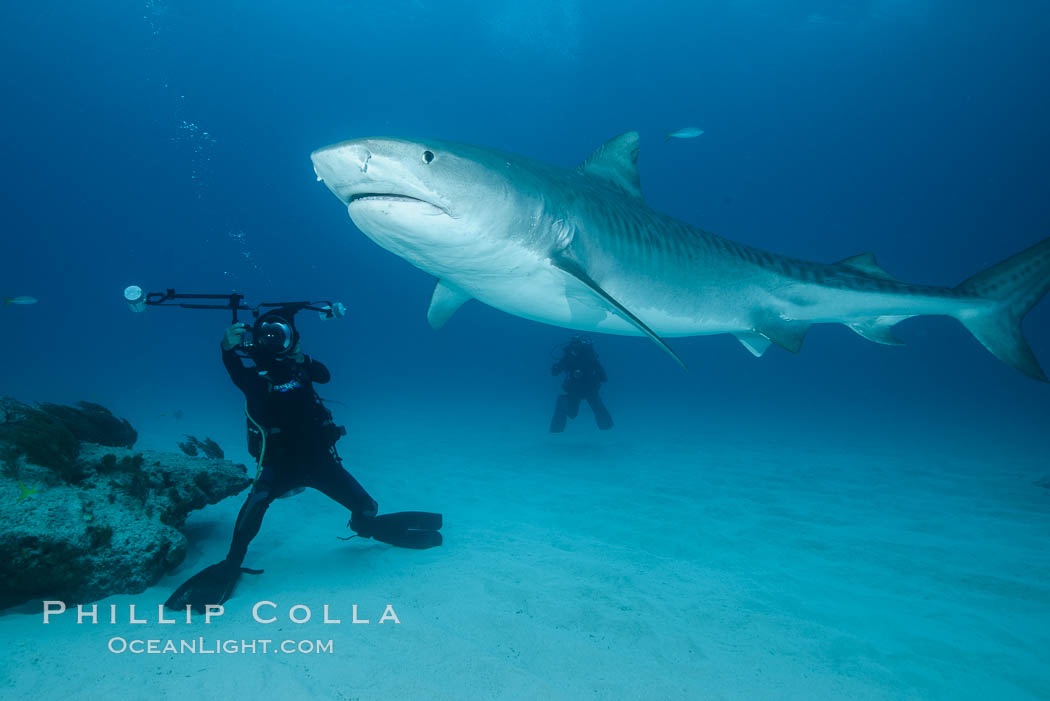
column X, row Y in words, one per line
column 26, row 492
column 683, row 133
column 23, row 299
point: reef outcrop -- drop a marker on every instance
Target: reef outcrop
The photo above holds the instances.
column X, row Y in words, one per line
column 81, row 520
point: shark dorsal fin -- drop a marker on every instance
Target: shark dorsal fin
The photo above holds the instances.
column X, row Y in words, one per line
column 866, row 263
column 616, row 162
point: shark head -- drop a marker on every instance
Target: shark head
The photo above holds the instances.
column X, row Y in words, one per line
column 493, row 226
column 433, row 203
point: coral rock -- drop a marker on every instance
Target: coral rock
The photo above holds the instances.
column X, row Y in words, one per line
column 114, row 532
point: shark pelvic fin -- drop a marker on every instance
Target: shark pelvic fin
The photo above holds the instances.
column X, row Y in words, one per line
column 786, row 334
column 444, row 303
column 866, row 263
column 616, row 162
column 756, row 343
column 576, row 270
column 879, row 329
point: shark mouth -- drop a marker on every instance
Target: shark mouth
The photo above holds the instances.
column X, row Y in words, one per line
column 382, row 197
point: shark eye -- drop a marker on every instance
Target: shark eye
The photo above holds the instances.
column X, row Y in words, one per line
column 428, row 156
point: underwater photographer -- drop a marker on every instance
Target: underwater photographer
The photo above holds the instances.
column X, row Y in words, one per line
column 293, row 437
column 584, row 376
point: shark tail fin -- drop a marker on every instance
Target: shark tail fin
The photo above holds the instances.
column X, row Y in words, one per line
column 667, row 135
column 7, row 301
column 1014, row 287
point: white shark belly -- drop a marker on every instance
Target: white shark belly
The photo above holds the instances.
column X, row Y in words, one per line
column 505, row 275
column 534, row 289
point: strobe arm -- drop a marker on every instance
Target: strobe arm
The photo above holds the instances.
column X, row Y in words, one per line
column 138, row 300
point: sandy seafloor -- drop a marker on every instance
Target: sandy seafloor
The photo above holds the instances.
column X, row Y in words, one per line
column 657, row 561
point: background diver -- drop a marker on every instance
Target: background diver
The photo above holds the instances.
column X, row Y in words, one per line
column 292, row 435
column 584, row 376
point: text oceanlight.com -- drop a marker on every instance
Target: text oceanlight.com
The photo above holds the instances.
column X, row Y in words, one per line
column 201, row 646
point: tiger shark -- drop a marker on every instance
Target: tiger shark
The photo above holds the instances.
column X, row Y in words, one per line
column 579, row 248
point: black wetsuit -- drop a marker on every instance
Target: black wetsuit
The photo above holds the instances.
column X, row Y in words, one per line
column 584, row 376
column 299, row 446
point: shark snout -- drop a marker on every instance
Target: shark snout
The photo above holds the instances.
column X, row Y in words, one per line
column 354, row 170
column 342, row 167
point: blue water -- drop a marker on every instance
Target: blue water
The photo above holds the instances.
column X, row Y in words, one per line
column 166, row 144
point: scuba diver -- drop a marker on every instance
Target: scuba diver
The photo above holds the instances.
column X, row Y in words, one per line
column 584, row 376
column 292, row 435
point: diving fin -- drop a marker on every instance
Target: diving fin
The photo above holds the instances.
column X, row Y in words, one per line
column 415, row 520
column 405, row 529
column 211, row 586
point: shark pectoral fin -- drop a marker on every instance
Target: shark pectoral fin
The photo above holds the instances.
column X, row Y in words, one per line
column 754, row 342
column 866, row 263
column 576, row 270
column 879, row 329
column 786, row 334
column 616, row 162
column 444, row 303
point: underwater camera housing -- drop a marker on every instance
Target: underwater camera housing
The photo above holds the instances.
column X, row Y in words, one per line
column 273, row 332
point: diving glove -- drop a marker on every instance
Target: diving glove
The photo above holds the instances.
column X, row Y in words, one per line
column 233, row 335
